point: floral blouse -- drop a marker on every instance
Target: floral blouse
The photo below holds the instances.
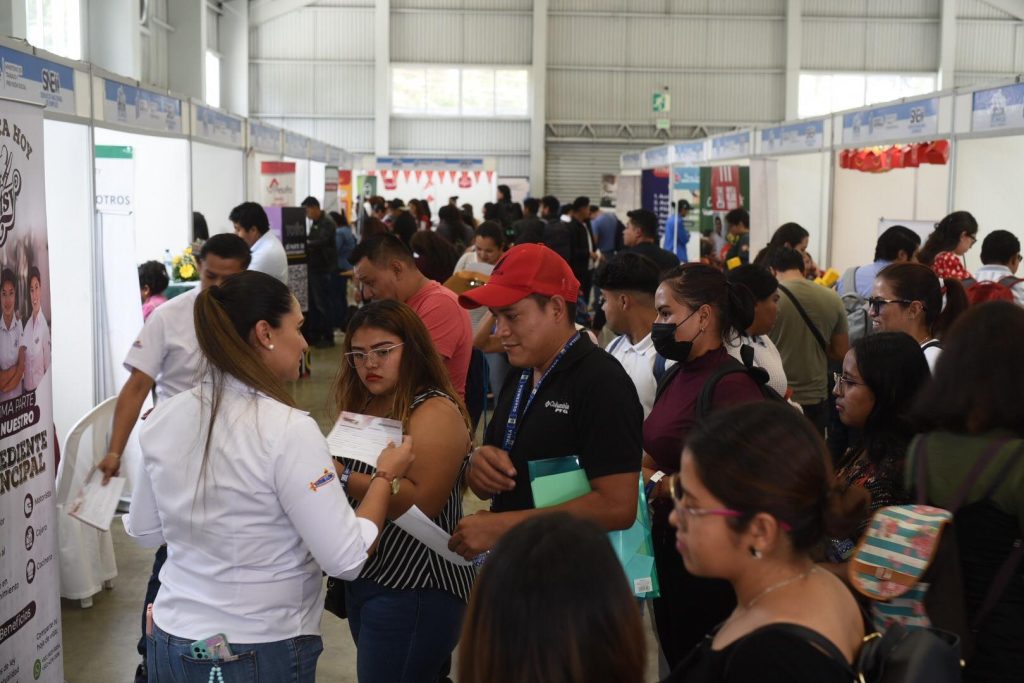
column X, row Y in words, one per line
column 885, row 484
column 949, row 265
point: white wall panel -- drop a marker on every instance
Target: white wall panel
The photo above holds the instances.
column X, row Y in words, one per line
column 452, row 5
column 871, row 8
column 985, row 47
column 316, row 33
column 457, row 38
column 979, row 9
column 902, row 47
column 475, row 136
column 353, row 135
column 575, row 169
column 311, row 88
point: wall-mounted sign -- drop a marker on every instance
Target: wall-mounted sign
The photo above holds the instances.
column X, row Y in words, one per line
column 296, row 145
column 732, row 146
column 631, row 161
column 138, row 108
column 894, row 122
column 264, row 138
column 688, row 153
column 656, row 157
column 794, row 137
column 27, row 77
column 434, row 164
column 216, row 126
column 998, row 108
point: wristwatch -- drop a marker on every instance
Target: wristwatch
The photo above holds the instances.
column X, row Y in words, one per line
column 394, row 481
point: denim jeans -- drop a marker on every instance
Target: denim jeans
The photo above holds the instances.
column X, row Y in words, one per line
column 401, row 636
column 284, row 661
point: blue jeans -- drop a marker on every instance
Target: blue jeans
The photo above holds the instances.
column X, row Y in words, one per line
column 401, row 636
column 284, row 661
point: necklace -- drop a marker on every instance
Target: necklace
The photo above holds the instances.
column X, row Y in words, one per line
column 781, row 584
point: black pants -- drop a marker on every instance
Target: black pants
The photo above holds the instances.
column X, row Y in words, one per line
column 689, row 606
column 319, row 326
column 339, row 311
column 152, row 588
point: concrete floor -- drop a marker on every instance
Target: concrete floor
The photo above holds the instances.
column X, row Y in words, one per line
column 99, row 642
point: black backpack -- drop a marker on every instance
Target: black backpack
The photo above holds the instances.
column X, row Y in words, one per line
column 731, row 366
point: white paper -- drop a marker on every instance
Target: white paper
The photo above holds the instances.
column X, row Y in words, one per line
column 482, row 268
column 95, row 504
column 363, row 437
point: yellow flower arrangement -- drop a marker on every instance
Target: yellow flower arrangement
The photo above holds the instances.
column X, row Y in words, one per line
column 185, row 267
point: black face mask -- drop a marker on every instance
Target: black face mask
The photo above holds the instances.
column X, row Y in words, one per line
column 665, row 343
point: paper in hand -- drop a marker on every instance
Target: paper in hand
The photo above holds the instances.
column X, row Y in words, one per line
column 363, row 437
column 95, row 504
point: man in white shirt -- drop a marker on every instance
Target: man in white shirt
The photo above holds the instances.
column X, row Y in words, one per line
column 627, row 283
column 166, row 355
column 253, row 226
column 1000, row 254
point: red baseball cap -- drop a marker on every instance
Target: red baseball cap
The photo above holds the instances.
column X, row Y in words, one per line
column 526, row 269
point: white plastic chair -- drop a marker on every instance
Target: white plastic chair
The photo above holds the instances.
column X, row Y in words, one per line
column 87, row 563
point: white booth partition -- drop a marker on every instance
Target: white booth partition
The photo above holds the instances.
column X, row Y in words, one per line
column 296, row 150
column 861, row 200
column 988, row 155
column 790, row 181
column 217, row 165
column 317, row 178
column 266, row 143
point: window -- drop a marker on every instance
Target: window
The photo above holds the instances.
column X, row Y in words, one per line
column 212, row 79
column 453, row 91
column 55, row 25
column 822, row 94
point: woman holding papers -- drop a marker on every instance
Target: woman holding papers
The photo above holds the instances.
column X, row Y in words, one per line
column 406, row 607
column 753, row 497
column 240, row 486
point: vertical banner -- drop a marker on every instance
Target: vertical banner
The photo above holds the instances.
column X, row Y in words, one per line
column 30, row 632
column 345, row 193
column 277, row 183
column 331, row 189
column 289, row 224
column 722, row 189
column 654, row 194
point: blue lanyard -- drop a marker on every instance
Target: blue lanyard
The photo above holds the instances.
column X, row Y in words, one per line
column 512, row 427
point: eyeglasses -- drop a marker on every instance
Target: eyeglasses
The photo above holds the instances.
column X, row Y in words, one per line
column 357, row 359
column 676, row 489
column 843, row 382
column 875, row 304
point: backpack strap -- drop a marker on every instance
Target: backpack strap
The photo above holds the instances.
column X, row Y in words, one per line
column 962, row 491
column 1011, row 281
column 707, row 390
column 807, row 319
column 968, row 282
column 818, row 642
column 659, row 369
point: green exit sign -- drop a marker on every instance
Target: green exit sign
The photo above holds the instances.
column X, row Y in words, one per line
column 661, row 102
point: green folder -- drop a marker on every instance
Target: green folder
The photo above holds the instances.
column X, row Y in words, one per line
column 557, row 480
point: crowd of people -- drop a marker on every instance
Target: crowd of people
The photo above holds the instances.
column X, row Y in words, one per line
column 762, row 416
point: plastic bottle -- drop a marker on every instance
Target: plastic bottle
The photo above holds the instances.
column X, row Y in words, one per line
column 169, row 264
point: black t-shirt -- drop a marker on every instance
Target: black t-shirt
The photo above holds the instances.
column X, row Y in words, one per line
column 528, row 230
column 665, row 260
column 587, row 407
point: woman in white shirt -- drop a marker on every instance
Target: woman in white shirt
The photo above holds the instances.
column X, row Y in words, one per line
column 240, row 486
column 765, row 288
column 910, row 298
column 37, row 334
column 12, row 345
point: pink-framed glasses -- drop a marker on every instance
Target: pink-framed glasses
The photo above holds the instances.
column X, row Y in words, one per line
column 676, row 489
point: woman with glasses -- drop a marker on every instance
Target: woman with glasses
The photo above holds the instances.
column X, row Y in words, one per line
column 239, row 484
column 953, row 236
column 751, row 501
column 910, row 298
column 406, row 607
column 881, row 376
column 698, row 310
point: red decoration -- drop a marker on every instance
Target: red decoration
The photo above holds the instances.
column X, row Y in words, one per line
column 882, row 159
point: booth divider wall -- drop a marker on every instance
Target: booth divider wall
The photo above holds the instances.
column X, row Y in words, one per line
column 218, row 183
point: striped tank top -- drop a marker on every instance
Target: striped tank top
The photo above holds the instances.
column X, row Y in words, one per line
column 403, row 563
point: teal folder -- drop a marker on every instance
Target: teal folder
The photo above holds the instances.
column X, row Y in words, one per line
column 557, row 480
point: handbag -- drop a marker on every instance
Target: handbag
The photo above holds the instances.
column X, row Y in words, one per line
column 334, row 600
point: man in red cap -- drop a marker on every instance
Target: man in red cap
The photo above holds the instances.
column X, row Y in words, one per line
column 570, row 399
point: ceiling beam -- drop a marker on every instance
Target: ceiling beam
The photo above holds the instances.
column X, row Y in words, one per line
column 1015, row 8
column 265, row 10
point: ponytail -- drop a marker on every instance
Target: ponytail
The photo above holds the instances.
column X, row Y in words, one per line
column 946, row 235
column 697, row 284
column 224, row 317
column 956, row 303
column 740, row 308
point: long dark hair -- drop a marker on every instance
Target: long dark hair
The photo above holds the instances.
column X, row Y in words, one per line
column 421, row 367
column 946, row 235
column 224, row 316
column 766, row 457
column 788, row 235
column 918, row 282
column 438, row 253
column 552, row 604
column 696, row 284
column 976, row 386
column 893, row 366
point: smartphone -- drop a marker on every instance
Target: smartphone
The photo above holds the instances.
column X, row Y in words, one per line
column 212, row 648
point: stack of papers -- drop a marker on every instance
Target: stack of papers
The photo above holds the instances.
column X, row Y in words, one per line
column 95, row 504
column 362, row 438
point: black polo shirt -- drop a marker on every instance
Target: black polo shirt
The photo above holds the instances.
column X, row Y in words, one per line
column 587, row 406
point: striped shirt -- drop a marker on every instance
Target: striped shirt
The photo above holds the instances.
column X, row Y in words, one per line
column 402, row 562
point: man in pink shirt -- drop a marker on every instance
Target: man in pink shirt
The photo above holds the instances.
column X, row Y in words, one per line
column 384, row 269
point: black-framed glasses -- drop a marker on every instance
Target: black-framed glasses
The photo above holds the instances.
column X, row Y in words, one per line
column 843, row 382
column 875, row 303
column 357, row 359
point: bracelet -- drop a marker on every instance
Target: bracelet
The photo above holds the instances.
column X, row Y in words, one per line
column 655, row 478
